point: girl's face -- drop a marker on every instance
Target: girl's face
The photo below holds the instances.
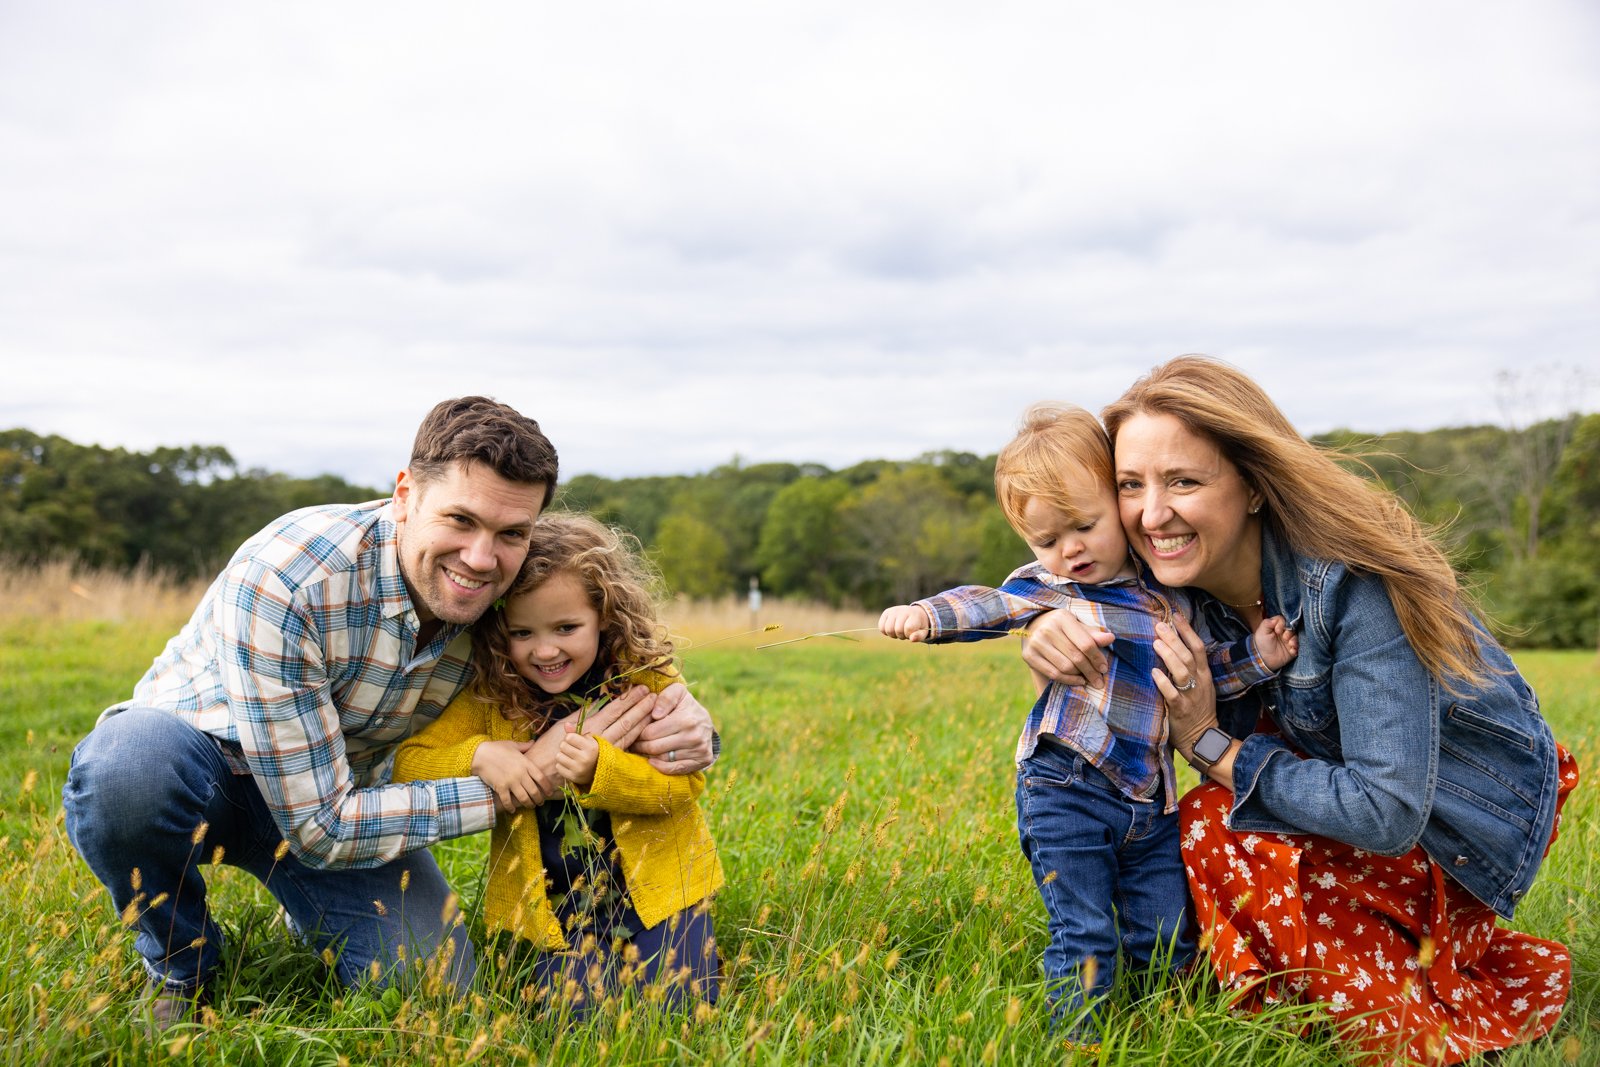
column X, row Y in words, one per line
column 554, row 633
column 1187, row 510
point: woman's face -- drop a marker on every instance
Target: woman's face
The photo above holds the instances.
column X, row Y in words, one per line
column 1186, row 509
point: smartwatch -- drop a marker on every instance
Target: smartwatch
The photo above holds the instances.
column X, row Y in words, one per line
column 1212, row 746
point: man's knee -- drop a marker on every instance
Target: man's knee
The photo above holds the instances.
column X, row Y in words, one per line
column 132, row 773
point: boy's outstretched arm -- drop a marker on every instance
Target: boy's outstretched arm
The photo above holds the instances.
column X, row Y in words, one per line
column 905, row 622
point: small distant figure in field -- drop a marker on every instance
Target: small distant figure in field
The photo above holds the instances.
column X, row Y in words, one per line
column 1096, row 795
column 579, row 625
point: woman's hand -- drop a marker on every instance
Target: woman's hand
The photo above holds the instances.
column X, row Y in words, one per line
column 1060, row 647
column 678, row 738
column 1185, row 684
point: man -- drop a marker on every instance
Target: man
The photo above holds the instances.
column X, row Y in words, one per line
column 261, row 736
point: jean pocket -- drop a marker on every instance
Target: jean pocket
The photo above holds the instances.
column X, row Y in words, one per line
column 1050, row 765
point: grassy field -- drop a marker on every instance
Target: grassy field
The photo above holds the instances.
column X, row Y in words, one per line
column 877, row 908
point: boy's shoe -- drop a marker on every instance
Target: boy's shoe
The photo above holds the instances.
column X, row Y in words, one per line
column 168, row 1007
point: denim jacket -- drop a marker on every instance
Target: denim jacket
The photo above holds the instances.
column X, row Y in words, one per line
column 1392, row 759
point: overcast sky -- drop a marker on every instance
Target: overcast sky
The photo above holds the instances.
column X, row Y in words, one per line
column 820, row 230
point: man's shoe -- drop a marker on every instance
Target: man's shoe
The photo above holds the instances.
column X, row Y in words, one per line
column 168, row 1006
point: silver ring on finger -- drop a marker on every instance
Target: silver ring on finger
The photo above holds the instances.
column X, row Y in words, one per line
column 1193, row 678
column 672, row 756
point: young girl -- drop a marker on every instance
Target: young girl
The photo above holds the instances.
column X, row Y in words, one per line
column 577, row 625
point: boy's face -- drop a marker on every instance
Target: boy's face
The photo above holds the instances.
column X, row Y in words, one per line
column 1090, row 548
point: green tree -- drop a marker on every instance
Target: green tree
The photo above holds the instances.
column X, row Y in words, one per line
column 800, row 551
column 909, row 534
column 693, row 556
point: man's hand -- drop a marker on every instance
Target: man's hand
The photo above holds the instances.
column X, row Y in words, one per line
column 504, row 769
column 618, row 720
column 678, row 738
column 577, row 758
column 904, row 622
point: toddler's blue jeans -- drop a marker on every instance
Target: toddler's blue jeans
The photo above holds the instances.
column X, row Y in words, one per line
column 1103, row 863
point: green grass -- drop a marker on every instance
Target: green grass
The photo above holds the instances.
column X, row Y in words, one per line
column 877, row 908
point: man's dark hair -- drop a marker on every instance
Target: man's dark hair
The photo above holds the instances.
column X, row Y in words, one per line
column 476, row 429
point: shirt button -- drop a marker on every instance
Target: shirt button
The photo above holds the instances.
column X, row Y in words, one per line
column 1461, row 861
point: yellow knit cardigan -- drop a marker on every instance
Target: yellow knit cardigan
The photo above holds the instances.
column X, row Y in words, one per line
column 667, row 856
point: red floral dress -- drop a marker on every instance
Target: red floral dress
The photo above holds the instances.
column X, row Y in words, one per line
column 1407, row 962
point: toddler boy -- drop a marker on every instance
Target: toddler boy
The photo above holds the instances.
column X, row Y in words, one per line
column 1096, row 795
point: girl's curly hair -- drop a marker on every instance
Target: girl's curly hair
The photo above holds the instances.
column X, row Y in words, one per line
column 620, row 586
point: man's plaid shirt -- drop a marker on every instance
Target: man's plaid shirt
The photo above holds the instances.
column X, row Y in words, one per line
column 1121, row 729
column 302, row 661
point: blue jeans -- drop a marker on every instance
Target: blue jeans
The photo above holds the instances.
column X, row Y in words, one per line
column 141, row 786
column 1102, row 862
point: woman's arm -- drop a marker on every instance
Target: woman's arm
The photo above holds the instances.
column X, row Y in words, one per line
column 1378, row 792
column 1062, row 648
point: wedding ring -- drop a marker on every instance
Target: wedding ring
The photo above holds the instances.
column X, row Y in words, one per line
column 1193, row 678
column 672, row 756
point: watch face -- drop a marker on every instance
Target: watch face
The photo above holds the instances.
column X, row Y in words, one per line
column 1211, row 746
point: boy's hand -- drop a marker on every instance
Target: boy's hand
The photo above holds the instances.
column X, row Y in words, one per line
column 503, row 769
column 905, row 622
column 1276, row 643
column 577, row 759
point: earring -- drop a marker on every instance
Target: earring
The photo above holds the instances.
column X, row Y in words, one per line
column 1254, row 508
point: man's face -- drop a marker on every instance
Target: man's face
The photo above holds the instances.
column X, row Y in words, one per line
column 462, row 538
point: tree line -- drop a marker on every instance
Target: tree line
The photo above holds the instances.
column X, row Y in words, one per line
column 1519, row 508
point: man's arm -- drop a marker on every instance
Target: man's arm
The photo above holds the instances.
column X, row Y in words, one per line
column 275, row 675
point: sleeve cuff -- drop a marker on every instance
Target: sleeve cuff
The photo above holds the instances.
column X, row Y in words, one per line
column 466, row 806
column 941, row 616
column 1249, row 811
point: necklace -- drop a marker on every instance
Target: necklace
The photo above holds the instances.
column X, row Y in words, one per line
column 1244, row 607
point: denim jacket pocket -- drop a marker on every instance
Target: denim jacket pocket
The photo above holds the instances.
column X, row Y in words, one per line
column 1484, row 744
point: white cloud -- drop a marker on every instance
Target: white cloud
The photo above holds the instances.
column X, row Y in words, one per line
column 805, row 231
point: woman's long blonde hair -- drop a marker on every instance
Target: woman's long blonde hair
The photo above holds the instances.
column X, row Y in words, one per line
column 619, row 585
column 1320, row 508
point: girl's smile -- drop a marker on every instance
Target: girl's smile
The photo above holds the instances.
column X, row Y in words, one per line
column 553, row 633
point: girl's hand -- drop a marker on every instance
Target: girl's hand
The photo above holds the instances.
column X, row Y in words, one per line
column 578, row 757
column 503, row 768
column 678, row 738
column 1185, row 684
column 904, row 622
column 1276, row 644
column 540, row 756
column 1060, row 647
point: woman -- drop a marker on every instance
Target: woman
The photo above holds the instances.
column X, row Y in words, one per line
column 1368, row 814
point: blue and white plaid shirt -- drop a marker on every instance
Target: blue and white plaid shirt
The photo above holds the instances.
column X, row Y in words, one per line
column 1121, row 729
column 302, row 660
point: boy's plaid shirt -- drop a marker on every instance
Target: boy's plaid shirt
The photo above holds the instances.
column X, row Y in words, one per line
column 301, row 661
column 1121, row 729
